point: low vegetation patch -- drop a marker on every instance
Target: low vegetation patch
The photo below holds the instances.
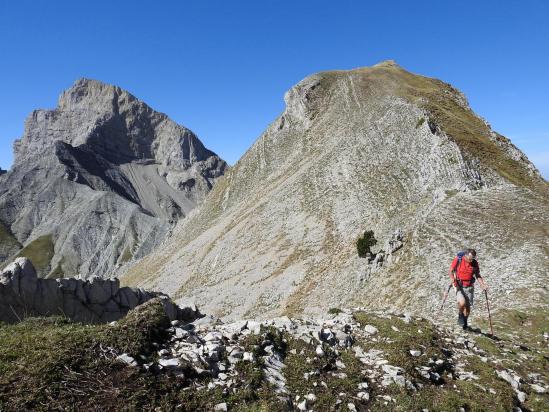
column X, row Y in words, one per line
column 324, row 380
column 397, row 338
column 365, row 242
column 373, row 361
column 54, row 364
column 126, row 255
column 7, row 240
column 39, row 251
column 58, row 272
column 521, row 346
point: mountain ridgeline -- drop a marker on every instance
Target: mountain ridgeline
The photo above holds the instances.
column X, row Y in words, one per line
column 372, row 149
column 98, row 181
column 311, row 257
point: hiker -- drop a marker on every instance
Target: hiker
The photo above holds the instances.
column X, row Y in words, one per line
column 464, row 271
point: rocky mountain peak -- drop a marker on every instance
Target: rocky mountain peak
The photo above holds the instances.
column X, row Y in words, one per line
column 100, row 156
column 112, row 123
column 342, row 94
column 387, row 63
column 89, row 94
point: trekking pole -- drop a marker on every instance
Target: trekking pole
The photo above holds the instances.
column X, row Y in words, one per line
column 445, row 296
column 489, row 316
column 448, row 291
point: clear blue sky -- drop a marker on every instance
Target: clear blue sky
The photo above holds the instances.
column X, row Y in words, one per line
column 221, row 67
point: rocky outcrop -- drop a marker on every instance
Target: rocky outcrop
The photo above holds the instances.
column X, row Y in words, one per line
column 386, row 255
column 99, row 181
column 353, row 359
column 375, row 148
column 23, row 294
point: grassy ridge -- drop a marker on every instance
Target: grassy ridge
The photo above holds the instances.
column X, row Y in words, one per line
column 51, row 363
column 471, row 134
column 54, row 364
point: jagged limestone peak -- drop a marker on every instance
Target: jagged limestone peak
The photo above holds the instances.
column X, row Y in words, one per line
column 120, row 172
column 90, row 94
column 113, row 123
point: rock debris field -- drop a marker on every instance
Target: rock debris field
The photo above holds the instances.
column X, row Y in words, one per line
column 353, row 360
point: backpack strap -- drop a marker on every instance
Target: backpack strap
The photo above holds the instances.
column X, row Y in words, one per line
column 458, row 263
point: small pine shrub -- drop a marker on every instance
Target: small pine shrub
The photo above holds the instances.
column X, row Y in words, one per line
column 364, row 243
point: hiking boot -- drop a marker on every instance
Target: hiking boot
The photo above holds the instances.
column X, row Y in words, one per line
column 465, row 326
column 461, row 320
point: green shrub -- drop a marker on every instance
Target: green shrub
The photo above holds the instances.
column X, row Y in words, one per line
column 364, row 243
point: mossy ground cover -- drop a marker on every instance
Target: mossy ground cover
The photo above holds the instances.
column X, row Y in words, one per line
column 520, row 345
column 39, row 251
column 448, row 394
column 396, row 338
column 324, row 380
column 7, row 240
column 55, row 364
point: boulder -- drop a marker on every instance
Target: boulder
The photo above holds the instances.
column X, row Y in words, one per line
column 127, row 298
column 98, row 291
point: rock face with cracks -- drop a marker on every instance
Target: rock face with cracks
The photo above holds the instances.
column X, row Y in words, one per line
column 23, row 294
column 99, row 181
column 375, row 148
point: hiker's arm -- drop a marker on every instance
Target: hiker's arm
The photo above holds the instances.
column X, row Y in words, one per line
column 483, row 284
column 452, row 277
column 451, row 272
